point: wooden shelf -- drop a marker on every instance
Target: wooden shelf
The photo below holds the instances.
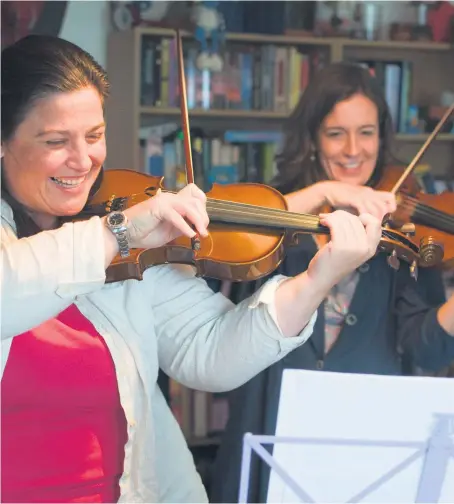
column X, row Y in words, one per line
column 265, row 114
column 257, row 38
column 396, row 45
column 238, row 114
column 254, row 38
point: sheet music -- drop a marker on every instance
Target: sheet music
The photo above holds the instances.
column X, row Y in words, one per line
column 358, row 407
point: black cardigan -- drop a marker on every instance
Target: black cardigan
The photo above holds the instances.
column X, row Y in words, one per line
column 392, row 329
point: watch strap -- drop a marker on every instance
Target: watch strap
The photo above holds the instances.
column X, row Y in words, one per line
column 123, row 244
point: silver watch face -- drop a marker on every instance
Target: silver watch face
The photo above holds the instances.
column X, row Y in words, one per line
column 116, row 219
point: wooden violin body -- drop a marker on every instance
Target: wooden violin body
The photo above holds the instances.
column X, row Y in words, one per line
column 432, row 214
column 227, row 254
column 249, row 231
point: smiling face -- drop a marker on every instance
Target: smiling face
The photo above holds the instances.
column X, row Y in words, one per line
column 55, row 155
column 349, row 140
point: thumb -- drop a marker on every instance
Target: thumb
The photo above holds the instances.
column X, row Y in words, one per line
column 390, row 200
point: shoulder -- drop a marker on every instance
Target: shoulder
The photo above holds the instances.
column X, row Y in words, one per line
column 8, row 224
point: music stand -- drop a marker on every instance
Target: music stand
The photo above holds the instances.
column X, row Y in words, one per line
column 437, row 451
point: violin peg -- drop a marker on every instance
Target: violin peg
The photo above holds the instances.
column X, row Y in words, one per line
column 393, row 260
column 414, row 270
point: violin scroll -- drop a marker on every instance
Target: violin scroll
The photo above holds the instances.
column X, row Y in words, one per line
column 398, row 246
column 431, row 252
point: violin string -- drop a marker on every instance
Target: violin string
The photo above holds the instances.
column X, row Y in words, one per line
column 423, row 210
column 261, row 211
column 261, row 218
column 282, row 216
column 390, row 234
column 439, row 214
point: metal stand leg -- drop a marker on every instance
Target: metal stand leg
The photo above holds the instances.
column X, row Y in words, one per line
column 439, row 450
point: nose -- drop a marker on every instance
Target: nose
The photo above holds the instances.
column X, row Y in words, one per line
column 79, row 159
column 352, row 146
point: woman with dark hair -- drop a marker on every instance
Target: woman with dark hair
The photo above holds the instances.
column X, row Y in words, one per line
column 315, row 151
column 82, row 417
column 375, row 320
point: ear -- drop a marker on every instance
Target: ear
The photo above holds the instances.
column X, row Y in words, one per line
column 1, row 151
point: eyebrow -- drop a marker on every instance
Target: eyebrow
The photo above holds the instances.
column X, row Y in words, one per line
column 66, row 132
column 341, row 127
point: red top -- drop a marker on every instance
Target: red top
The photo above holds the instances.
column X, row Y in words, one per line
column 63, row 429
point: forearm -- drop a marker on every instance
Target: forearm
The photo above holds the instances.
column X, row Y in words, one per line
column 207, row 343
column 309, row 200
column 445, row 316
column 296, row 300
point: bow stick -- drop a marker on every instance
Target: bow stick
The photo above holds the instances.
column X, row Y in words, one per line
column 195, row 241
column 422, row 150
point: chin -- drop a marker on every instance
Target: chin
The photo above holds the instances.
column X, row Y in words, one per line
column 357, row 178
column 72, row 210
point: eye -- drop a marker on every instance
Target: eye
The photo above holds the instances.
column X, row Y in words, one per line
column 333, row 134
column 94, row 137
column 55, row 143
column 368, row 132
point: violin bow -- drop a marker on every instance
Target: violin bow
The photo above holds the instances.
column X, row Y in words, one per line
column 195, row 241
column 422, row 150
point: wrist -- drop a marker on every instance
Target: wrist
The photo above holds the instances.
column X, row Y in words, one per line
column 111, row 246
column 322, row 191
column 318, row 287
column 117, row 223
column 296, row 300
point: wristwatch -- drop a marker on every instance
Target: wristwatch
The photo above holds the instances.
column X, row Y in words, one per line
column 118, row 224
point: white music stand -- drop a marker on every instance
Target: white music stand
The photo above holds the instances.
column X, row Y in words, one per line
column 435, row 452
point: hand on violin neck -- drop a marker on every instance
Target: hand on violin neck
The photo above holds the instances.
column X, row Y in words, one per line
column 354, row 240
column 159, row 220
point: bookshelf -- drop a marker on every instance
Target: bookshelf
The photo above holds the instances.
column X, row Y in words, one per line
column 126, row 115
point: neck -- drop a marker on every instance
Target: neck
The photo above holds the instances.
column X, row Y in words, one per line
column 44, row 221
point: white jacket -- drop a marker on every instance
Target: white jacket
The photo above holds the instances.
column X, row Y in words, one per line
column 170, row 319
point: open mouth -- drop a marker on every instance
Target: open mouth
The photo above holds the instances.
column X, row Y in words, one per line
column 68, row 182
column 351, row 166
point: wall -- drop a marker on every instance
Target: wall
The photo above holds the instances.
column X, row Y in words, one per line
column 87, row 24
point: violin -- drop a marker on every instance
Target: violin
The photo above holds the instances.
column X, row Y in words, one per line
column 432, row 214
column 249, row 230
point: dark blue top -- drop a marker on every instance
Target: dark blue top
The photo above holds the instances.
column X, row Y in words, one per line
column 393, row 329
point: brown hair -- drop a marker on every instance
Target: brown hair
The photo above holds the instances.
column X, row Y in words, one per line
column 31, row 69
